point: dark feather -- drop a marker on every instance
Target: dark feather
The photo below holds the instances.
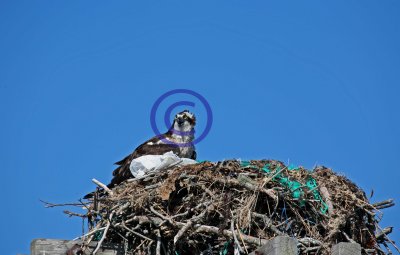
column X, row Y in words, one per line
column 123, row 172
column 194, row 155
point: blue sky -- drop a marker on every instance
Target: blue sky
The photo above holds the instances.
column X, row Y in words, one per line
column 305, row 82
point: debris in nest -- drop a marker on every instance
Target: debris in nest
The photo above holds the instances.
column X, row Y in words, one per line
column 233, row 207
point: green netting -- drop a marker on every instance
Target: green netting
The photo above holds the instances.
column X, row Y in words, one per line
column 266, row 169
column 311, row 183
column 97, row 236
column 294, row 186
column 246, row 163
column 225, row 249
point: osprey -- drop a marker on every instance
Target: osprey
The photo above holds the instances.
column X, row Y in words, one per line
column 178, row 139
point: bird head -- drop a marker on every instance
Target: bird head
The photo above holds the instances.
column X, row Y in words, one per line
column 184, row 121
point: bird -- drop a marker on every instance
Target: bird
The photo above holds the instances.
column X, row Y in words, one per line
column 179, row 139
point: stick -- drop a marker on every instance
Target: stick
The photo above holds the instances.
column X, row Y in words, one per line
column 309, row 241
column 384, row 204
column 240, row 235
column 385, row 231
column 249, row 186
column 70, row 214
column 158, row 247
column 182, row 231
column 136, row 233
column 309, row 249
column 201, row 228
column 234, row 236
column 188, row 225
column 191, row 209
column 394, row 245
column 161, row 215
column 268, row 223
column 228, row 233
column 348, row 237
column 104, row 234
column 49, row 205
column 327, row 198
column 153, row 186
column 101, row 185
column 89, row 233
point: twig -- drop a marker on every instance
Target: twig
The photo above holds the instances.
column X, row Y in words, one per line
column 268, row 223
column 102, row 185
column 140, row 245
column 182, row 231
column 385, row 231
column 70, row 214
column 153, row 186
column 234, row 235
column 158, row 247
column 388, row 249
column 327, row 198
column 104, row 234
column 89, row 233
column 136, row 233
column 394, row 245
column 49, row 205
column 241, row 238
column 228, row 233
column 384, row 204
column 309, row 241
column 188, row 225
column 249, row 186
column 310, row 249
column 348, row 237
column 161, row 215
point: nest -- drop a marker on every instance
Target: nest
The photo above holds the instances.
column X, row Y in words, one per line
column 233, row 207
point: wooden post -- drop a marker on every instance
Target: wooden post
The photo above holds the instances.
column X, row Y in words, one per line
column 280, row 245
column 60, row 247
column 346, row 249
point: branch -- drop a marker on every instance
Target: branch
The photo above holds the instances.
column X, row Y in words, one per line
column 104, row 234
column 228, row 233
column 102, row 185
column 384, row 204
column 234, row 236
column 268, row 223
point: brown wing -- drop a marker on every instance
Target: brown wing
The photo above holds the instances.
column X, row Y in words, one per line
column 122, row 172
column 194, row 155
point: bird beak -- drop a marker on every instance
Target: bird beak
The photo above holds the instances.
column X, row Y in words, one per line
column 180, row 121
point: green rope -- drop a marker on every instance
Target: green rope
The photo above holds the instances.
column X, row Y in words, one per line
column 97, row 236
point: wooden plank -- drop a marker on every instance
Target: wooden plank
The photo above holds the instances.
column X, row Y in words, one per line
column 60, row 247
